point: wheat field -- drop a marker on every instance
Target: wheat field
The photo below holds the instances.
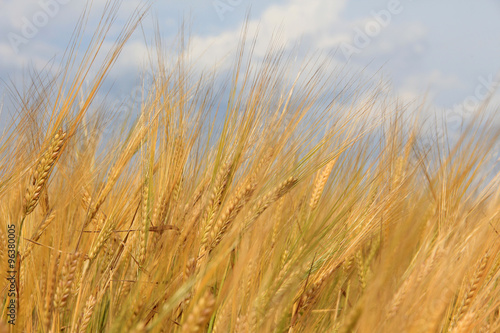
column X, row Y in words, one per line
column 289, row 202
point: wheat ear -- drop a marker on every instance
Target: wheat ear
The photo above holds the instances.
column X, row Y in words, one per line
column 87, row 314
column 200, row 314
column 471, row 293
column 464, row 325
column 68, row 276
column 269, row 198
column 49, row 297
column 42, row 171
column 103, row 237
column 320, row 183
column 229, row 214
column 215, row 201
column 3, row 244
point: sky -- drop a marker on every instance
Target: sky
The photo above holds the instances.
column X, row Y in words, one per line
column 447, row 50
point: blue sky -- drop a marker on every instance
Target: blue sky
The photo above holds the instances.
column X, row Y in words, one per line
column 448, row 50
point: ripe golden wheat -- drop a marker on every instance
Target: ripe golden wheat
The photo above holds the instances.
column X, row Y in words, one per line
column 302, row 209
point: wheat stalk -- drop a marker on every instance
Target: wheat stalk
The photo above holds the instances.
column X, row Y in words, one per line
column 38, row 233
column 145, row 224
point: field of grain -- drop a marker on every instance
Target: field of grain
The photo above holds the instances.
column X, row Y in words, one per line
column 289, row 202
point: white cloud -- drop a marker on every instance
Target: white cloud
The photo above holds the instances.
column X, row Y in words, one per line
column 398, row 37
column 293, row 22
column 433, row 80
column 302, row 18
column 427, row 86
